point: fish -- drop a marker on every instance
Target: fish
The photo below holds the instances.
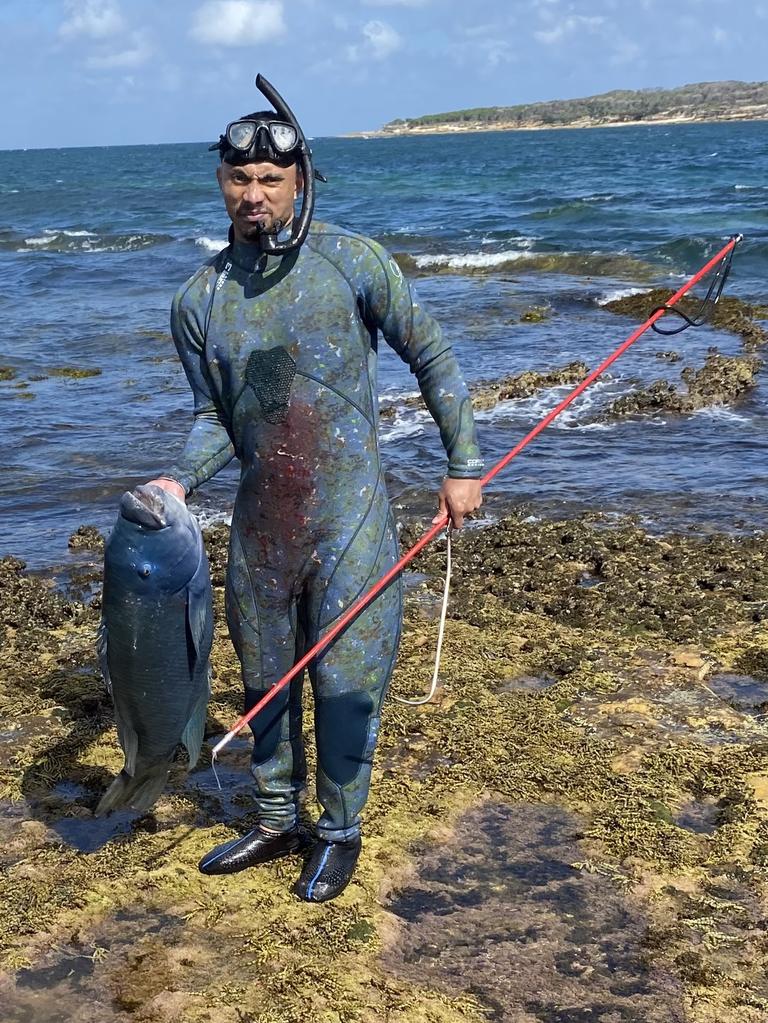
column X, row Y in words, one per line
column 154, row 641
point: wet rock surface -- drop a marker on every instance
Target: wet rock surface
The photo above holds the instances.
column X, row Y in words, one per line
column 731, row 314
column 600, row 697
column 721, row 381
column 500, row 910
column 595, row 571
column 488, row 394
column 579, row 263
column 86, row 538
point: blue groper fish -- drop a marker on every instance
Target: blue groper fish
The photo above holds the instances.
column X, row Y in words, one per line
column 155, row 640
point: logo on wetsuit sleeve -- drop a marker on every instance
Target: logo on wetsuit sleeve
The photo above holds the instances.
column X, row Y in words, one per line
column 270, row 375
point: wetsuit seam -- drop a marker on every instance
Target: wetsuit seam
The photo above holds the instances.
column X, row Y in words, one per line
column 442, row 354
column 341, row 272
column 344, row 397
column 218, row 408
column 457, row 429
column 393, row 656
column 186, row 288
column 376, row 559
column 366, row 244
column 257, row 627
column 343, row 554
column 335, row 266
column 380, row 261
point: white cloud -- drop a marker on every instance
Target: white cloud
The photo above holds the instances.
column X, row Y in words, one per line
column 238, row 22
column 95, row 18
column 568, row 26
column 135, row 55
column 396, row 3
column 381, row 40
column 625, row 51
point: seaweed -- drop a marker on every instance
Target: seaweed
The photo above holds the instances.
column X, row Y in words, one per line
column 624, row 732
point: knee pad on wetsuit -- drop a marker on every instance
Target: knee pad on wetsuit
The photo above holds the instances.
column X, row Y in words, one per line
column 342, row 725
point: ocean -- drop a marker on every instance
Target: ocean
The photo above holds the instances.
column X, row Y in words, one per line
column 95, row 241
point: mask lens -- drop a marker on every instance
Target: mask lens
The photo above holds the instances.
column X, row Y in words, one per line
column 284, row 136
column 240, row 135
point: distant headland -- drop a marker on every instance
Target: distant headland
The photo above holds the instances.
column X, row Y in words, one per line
column 705, row 101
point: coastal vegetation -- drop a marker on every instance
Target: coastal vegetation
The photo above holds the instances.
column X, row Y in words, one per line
column 704, row 101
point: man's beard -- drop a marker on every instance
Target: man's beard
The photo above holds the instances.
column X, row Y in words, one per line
column 256, row 231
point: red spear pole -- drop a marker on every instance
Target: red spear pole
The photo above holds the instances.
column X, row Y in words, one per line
column 362, row 602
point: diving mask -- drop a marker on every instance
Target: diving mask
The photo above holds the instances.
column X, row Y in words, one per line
column 255, row 138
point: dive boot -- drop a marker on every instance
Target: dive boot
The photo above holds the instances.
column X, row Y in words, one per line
column 328, row 870
column 257, row 846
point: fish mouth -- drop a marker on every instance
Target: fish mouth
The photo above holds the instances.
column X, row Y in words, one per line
column 146, row 506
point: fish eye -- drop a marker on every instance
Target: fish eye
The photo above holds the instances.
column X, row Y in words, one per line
column 145, row 571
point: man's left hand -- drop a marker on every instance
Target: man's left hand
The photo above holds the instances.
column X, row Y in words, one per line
column 458, row 498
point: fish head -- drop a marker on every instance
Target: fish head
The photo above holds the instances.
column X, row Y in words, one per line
column 155, row 542
column 151, row 507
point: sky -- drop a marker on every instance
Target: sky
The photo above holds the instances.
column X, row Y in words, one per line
column 110, row 72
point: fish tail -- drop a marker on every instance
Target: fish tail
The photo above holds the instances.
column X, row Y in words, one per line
column 136, row 793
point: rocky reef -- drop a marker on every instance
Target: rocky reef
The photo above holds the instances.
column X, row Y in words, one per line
column 486, row 394
column 721, row 381
column 602, row 693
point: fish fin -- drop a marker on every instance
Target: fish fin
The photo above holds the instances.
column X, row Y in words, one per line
column 137, row 793
column 101, row 653
column 192, row 737
column 129, row 740
column 200, row 607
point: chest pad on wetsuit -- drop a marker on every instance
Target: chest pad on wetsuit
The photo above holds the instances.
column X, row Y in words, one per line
column 270, row 375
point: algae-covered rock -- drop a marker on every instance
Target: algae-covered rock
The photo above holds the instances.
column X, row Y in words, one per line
column 583, row 574
column 536, row 314
column 722, row 380
column 87, row 538
column 730, row 313
column 624, row 731
column 486, row 394
column 74, row 372
column 580, row 264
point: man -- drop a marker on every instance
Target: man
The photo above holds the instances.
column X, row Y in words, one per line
column 278, row 338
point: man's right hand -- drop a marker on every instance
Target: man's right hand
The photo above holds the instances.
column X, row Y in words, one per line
column 171, row 486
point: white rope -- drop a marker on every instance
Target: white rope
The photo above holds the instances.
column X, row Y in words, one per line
column 441, row 630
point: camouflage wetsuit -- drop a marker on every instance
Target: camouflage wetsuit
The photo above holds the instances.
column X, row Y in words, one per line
column 281, row 356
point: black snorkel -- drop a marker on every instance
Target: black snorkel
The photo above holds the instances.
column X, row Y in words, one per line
column 277, row 139
column 300, row 226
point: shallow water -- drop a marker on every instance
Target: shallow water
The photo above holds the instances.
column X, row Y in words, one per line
column 87, row 275
column 500, row 912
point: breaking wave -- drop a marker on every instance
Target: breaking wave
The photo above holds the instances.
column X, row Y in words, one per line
column 211, row 244
column 618, row 293
column 584, row 264
column 64, row 240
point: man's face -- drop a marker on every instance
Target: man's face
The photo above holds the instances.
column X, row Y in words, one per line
column 258, row 196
